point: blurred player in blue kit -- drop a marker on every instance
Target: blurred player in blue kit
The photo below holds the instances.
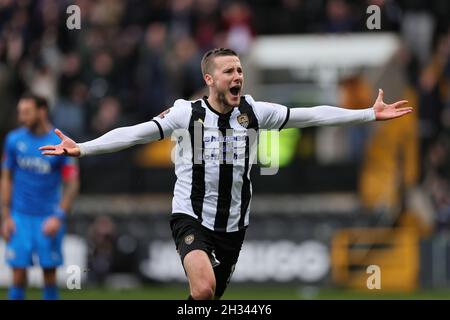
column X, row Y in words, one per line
column 36, row 193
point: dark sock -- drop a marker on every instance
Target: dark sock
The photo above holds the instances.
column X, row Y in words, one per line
column 16, row 293
column 50, row 293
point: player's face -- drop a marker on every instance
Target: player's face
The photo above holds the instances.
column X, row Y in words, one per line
column 28, row 114
column 227, row 80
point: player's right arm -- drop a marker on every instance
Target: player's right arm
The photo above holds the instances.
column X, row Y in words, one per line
column 124, row 137
column 7, row 223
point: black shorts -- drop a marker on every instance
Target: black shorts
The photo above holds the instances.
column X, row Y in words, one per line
column 222, row 247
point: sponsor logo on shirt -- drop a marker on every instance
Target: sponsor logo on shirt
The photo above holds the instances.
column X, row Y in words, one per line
column 35, row 164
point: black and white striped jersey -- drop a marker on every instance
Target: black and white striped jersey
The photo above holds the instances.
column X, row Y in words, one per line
column 214, row 152
column 213, row 157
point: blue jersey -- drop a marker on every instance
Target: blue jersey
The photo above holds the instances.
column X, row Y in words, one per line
column 37, row 179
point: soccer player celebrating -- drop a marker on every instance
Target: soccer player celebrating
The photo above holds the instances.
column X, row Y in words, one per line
column 33, row 208
column 215, row 140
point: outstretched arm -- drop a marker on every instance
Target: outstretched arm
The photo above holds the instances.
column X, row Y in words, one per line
column 114, row 140
column 327, row 115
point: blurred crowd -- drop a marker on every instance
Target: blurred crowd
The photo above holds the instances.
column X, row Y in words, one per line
column 131, row 59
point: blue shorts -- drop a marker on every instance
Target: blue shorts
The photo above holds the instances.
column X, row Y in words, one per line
column 29, row 239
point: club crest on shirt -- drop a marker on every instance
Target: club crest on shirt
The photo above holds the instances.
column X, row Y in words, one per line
column 163, row 114
column 189, row 239
column 242, row 119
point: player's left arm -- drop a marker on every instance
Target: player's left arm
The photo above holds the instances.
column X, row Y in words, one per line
column 328, row 115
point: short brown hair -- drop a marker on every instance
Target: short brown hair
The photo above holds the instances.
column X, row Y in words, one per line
column 40, row 102
column 211, row 54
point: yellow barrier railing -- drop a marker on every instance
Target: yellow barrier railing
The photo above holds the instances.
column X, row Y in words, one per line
column 395, row 251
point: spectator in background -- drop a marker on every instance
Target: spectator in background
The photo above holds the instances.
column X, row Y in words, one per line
column 417, row 29
column 295, row 16
column 181, row 19
column 238, row 27
column 206, row 23
column 102, row 242
column 70, row 73
column 69, row 112
column 435, row 130
column 43, row 82
column 433, row 97
column 101, row 78
column 186, row 80
column 437, row 180
column 7, row 93
column 107, row 13
column 153, row 85
column 126, row 57
column 339, row 17
column 107, row 117
column 430, row 108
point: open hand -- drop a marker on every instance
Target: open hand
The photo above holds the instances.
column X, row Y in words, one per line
column 385, row 111
column 66, row 147
column 51, row 226
column 8, row 228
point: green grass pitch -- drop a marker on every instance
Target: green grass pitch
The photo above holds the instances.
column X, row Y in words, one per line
column 236, row 292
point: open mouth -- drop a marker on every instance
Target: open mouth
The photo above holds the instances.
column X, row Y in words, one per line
column 235, row 90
